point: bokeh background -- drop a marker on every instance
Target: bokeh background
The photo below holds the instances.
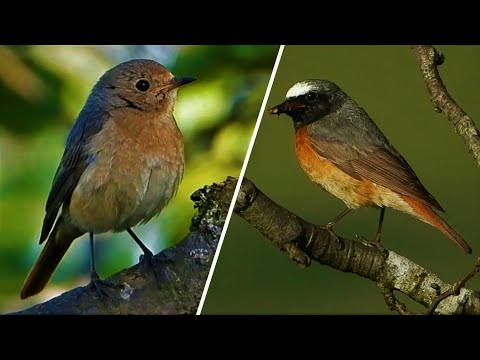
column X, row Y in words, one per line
column 42, row 89
column 252, row 276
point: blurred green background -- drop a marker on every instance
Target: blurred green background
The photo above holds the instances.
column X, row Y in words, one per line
column 254, row 277
column 42, row 89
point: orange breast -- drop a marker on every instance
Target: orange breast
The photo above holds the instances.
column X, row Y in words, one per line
column 137, row 169
column 352, row 192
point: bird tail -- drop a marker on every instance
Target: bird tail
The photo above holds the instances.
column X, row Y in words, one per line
column 57, row 245
column 428, row 215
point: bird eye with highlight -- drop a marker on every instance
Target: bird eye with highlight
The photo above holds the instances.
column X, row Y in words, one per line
column 142, row 85
column 311, row 96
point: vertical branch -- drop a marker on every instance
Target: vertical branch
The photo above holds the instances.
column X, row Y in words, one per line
column 429, row 58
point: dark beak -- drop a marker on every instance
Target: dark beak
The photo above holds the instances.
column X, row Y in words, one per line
column 179, row 81
column 287, row 107
column 176, row 82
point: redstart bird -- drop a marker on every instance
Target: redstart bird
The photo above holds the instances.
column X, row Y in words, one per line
column 123, row 162
column 341, row 149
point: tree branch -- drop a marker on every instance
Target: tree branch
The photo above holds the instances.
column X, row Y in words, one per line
column 429, row 58
column 455, row 290
column 174, row 285
column 392, row 272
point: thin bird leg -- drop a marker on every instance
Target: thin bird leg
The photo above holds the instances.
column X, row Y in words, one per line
column 95, row 282
column 376, row 241
column 380, row 224
column 93, row 271
column 146, row 251
column 331, row 224
column 147, row 262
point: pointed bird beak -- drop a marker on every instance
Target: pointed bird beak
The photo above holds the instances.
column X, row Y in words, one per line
column 288, row 106
column 176, row 82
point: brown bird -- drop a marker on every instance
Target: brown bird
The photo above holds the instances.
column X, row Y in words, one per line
column 341, row 149
column 123, row 162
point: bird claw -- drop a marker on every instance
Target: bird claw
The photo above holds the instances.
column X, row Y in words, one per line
column 313, row 234
column 374, row 243
column 98, row 285
column 329, row 228
column 147, row 263
column 334, row 236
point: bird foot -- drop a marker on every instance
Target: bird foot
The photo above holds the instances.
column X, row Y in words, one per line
column 329, row 228
column 98, row 285
column 148, row 264
column 311, row 237
column 147, row 261
column 374, row 243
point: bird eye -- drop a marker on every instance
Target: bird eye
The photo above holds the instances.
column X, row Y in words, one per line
column 311, row 96
column 142, row 85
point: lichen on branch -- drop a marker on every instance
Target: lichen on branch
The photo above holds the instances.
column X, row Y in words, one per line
column 176, row 282
column 306, row 242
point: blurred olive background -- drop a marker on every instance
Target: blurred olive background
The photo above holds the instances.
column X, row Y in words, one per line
column 252, row 276
column 42, row 89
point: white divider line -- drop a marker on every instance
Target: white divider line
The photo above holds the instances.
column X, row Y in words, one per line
column 240, row 179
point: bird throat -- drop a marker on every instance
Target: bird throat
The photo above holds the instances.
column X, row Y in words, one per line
column 302, row 120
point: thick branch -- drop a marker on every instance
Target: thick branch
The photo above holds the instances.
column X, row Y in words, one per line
column 174, row 285
column 429, row 58
column 304, row 241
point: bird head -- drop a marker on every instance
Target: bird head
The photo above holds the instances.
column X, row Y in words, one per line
column 140, row 84
column 310, row 100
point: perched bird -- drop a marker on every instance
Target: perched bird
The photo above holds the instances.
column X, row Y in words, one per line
column 123, row 162
column 341, row 149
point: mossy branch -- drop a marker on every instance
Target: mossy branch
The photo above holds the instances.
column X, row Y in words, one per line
column 173, row 286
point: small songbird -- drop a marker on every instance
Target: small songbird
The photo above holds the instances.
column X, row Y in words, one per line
column 341, row 149
column 123, row 162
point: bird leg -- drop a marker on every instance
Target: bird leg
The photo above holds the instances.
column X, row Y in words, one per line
column 95, row 282
column 378, row 236
column 147, row 256
column 380, row 224
column 147, row 260
column 329, row 226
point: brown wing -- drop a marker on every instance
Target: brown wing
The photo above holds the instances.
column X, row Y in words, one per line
column 381, row 165
column 64, row 183
column 73, row 164
column 62, row 188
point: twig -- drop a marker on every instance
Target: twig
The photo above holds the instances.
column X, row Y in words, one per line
column 455, row 290
column 392, row 302
column 429, row 58
column 304, row 241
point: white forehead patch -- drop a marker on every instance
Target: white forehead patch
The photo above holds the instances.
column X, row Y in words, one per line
column 299, row 89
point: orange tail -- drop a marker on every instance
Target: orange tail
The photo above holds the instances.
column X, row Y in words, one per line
column 57, row 245
column 428, row 215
